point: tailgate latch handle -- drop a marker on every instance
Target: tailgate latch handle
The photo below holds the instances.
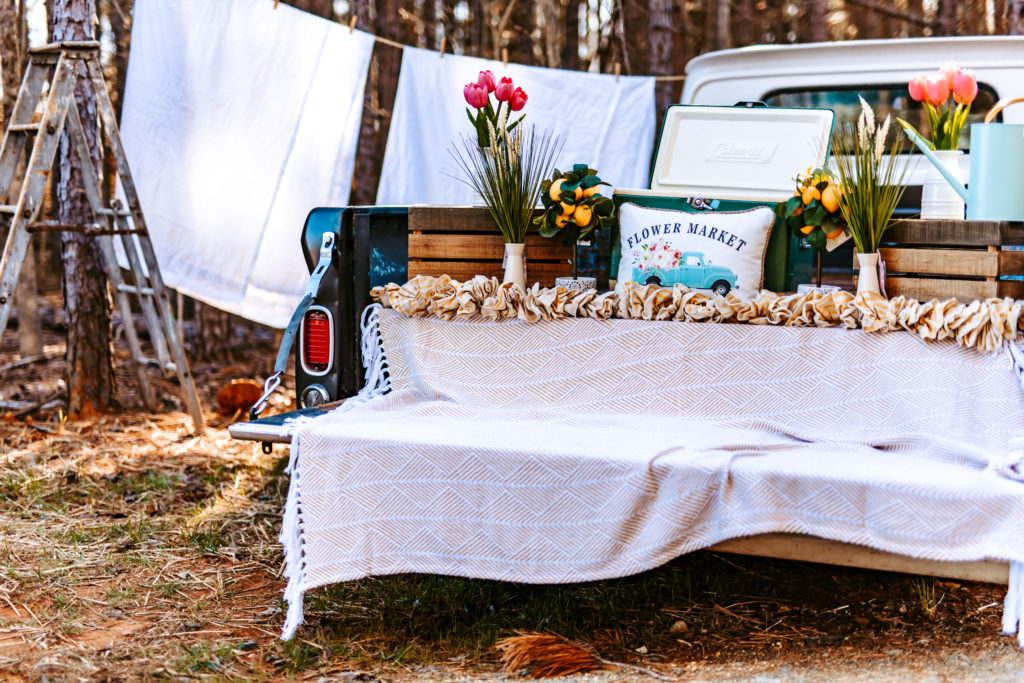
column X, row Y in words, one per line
column 312, row 289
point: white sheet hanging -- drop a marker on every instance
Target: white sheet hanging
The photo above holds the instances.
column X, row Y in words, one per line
column 605, row 121
column 238, row 119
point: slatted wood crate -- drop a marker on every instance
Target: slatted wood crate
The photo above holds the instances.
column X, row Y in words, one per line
column 945, row 259
column 463, row 242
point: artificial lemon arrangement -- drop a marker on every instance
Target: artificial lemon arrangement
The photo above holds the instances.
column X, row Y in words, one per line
column 573, row 205
column 813, row 211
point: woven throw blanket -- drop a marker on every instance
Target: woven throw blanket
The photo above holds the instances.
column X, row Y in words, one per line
column 577, row 449
column 984, row 325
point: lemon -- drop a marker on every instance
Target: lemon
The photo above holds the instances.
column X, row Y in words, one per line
column 561, row 220
column 567, row 209
column 834, row 234
column 591, row 191
column 810, row 194
column 578, row 193
column 583, row 216
column 830, row 198
column 807, row 229
column 556, row 189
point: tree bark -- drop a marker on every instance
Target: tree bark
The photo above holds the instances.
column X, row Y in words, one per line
column 571, row 46
column 518, row 32
column 89, row 370
column 636, row 38
column 817, row 21
column 659, row 62
column 1015, row 17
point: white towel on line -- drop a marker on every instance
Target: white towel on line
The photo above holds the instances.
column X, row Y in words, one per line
column 604, row 121
column 238, row 119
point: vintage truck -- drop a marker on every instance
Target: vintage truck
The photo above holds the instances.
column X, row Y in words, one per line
column 349, row 250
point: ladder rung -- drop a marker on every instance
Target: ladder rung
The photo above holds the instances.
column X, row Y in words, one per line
column 132, row 289
column 111, row 212
column 170, row 367
column 24, row 127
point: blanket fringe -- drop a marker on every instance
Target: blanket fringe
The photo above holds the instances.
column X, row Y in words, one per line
column 377, row 383
column 1013, row 609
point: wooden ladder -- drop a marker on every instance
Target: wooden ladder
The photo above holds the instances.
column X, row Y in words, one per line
column 49, row 83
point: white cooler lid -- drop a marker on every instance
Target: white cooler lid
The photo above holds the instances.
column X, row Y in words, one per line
column 747, row 154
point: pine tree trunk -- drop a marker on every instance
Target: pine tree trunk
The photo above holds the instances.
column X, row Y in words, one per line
column 367, row 172
column 571, row 46
column 659, row 62
column 518, row 32
column 89, row 371
column 430, row 24
column 817, row 26
column 636, row 29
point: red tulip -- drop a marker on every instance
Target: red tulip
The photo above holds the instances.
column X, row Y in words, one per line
column 518, row 100
column 486, row 79
column 917, row 87
column 965, row 86
column 476, row 95
column 948, row 72
column 504, row 90
column 936, row 91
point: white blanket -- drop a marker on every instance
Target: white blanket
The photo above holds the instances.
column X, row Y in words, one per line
column 577, row 449
column 604, row 121
column 238, row 119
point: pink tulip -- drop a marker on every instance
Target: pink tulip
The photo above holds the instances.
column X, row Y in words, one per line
column 486, row 79
column 948, row 72
column 518, row 100
column 476, row 95
column 504, row 90
column 936, row 91
column 965, row 86
column 917, row 87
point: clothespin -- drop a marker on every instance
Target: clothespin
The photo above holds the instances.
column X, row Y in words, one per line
column 618, row 72
column 275, row 3
column 351, row 23
column 444, row 44
column 504, row 56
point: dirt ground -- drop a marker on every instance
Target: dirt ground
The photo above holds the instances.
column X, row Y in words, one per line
column 132, row 549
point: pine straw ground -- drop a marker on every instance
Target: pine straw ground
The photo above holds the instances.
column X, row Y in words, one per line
column 130, row 549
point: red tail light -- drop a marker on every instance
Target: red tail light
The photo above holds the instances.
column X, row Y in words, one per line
column 317, row 341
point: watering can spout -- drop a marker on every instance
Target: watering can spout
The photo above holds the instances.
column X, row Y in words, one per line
column 923, row 145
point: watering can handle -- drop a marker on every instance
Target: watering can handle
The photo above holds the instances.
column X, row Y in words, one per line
column 999, row 106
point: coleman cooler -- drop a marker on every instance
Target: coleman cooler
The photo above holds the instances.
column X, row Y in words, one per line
column 732, row 159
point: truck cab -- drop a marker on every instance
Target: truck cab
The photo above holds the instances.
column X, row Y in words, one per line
column 691, row 269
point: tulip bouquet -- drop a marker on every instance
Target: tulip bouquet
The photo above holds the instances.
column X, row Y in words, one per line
column 945, row 120
column 478, row 96
column 504, row 163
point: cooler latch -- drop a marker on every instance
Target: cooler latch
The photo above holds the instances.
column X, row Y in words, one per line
column 701, row 204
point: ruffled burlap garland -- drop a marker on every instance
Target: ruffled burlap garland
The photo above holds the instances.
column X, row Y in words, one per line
column 982, row 325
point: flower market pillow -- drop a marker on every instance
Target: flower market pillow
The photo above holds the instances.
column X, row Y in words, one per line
column 717, row 250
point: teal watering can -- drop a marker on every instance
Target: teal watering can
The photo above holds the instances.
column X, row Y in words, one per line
column 997, row 168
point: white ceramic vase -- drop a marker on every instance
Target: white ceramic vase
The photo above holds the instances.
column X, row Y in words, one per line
column 867, row 277
column 938, row 198
column 515, row 264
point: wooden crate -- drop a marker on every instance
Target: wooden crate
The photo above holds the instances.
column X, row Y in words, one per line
column 464, row 241
column 945, row 259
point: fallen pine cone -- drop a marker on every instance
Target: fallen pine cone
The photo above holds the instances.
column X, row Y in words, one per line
column 548, row 655
column 238, row 396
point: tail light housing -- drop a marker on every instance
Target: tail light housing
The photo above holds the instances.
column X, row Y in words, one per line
column 317, row 341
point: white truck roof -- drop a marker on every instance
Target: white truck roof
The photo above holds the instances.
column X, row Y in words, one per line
column 751, row 73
